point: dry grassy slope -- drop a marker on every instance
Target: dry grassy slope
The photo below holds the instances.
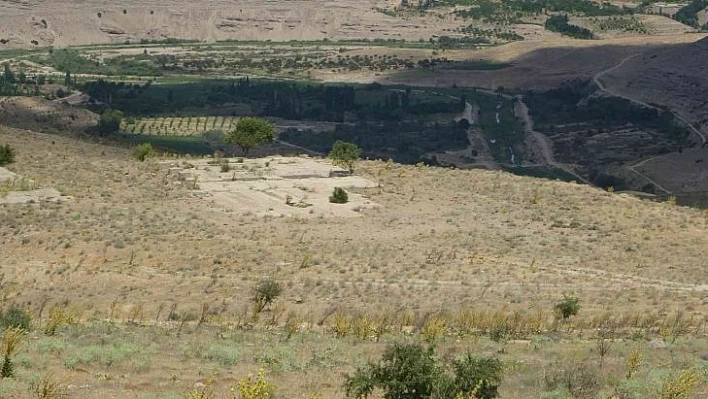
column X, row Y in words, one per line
column 442, row 238
column 42, row 115
column 66, row 22
column 673, row 76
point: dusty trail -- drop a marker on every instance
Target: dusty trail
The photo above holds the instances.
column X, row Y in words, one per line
column 603, row 88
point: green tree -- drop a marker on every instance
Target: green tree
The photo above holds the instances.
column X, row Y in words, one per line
column 7, row 155
column 110, row 120
column 569, row 306
column 250, row 133
column 412, row 371
column 345, row 154
column 265, row 292
column 143, row 151
column 8, row 75
column 406, row 371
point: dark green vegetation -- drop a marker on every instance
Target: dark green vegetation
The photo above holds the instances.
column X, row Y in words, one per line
column 689, row 14
column 385, row 122
column 569, row 306
column 344, row 154
column 511, row 11
column 19, row 84
column 109, row 121
column 413, row 371
column 622, row 23
column 290, row 58
column 559, row 23
column 404, row 142
column 596, row 132
column 73, row 61
column 143, row 151
column 250, row 133
column 505, row 134
column 339, row 196
column 265, row 292
column 15, row 317
column 573, row 103
column 7, row 155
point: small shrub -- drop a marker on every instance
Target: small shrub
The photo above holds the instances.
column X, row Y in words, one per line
column 15, row 316
column 143, row 151
column 47, row 387
column 254, row 388
column 412, row 371
column 11, row 340
column 406, row 371
column 57, row 317
column 479, row 375
column 339, row 196
column 634, row 361
column 7, row 155
column 265, row 292
column 200, row 393
column 680, row 386
column 580, row 379
column 345, row 154
column 569, row 306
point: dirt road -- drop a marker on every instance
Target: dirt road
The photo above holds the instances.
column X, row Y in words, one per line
column 602, row 87
column 542, row 142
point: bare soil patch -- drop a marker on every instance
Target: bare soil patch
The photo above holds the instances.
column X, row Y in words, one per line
column 274, row 186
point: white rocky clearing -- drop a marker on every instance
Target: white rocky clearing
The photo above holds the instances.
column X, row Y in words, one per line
column 273, row 186
column 15, row 189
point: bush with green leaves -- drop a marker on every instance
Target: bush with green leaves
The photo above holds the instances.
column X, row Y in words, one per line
column 569, row 306
column 109, row 121
column 413, row 371
column 15, row 316
column 7, row 155
column 344, row 154
column 339, row 196
column 250, row 133
column 11, row 339
column 143, row 151
column 265, row 292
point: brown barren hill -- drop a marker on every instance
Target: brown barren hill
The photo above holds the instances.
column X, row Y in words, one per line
column 674, row 76
column 64, row 22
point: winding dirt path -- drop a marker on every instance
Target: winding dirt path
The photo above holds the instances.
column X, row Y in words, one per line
column 543, row 143
column 602, row 87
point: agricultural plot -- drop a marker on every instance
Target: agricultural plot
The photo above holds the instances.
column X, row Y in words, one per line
column 178, row 125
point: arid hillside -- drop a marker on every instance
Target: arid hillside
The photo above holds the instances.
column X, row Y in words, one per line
column 150, row 277
column 27, row 23
column 675, row 77
column 433, row 230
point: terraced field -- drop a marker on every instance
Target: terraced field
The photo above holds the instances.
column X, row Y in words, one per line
column 178, row 126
